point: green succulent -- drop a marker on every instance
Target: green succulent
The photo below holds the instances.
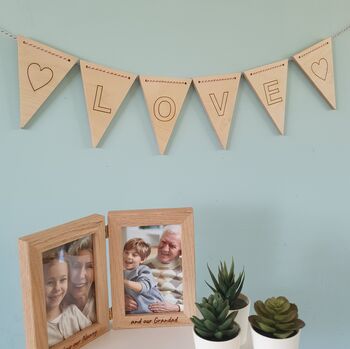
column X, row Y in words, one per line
column 276, row 318
column 228, row 286
column 217, row 324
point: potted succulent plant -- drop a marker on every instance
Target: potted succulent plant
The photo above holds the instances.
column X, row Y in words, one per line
column 217, row 329
column 230, row 287
column 276, row 325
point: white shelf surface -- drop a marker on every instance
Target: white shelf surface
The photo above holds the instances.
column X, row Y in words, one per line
column 150, row 338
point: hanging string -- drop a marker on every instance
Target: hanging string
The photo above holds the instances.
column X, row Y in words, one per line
column 7, row 33
column 340, row 32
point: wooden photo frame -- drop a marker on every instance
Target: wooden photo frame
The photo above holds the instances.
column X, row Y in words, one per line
column 182, row 279
column 33, row 250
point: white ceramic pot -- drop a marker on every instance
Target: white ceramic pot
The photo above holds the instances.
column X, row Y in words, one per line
column 262, row 342
column 242, row 318
column 201, row 343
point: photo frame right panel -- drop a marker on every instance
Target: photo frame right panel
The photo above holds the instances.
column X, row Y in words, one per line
column 152, row 267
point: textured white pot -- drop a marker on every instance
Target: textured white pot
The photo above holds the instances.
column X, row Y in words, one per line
column 262, row 342
column 242, row 318
column 201, row 343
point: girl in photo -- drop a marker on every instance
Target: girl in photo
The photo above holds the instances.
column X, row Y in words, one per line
column 62, row 322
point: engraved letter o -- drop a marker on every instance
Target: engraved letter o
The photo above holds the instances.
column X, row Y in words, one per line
column 164, row 108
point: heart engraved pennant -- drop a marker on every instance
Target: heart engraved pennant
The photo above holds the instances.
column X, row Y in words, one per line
column 164, row 98
column 41, row 69
column 105, row 90
column 218, row 95
column 317, row 63
column 270, row 84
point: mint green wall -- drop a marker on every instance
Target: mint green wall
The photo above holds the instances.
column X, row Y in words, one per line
column 279, row 205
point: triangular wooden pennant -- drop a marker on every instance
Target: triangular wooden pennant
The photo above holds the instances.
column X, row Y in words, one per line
column 270, row 84
column 317, row 63
column 105, row 90
column 164, row 98
column 41, row 68
column 218, row 95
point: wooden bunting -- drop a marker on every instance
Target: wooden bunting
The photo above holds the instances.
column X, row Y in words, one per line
column 164, row 98
column 317, row 63
column 270, row 84
column 105, row 90
column 41, row 69
column 218, row 95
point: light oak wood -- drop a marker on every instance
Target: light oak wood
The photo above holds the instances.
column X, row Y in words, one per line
column 117, row 220
column 164, row 98
column 269, row 82
column 218, row 96
column 105, row 90
column 40, row 68
column 30, row 251
column 317, row 63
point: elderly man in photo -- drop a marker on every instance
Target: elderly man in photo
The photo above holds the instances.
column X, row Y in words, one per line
column 167, row 269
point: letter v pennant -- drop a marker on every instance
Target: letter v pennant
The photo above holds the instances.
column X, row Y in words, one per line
column 164, row 98
column 218, row 96
column 105, row 90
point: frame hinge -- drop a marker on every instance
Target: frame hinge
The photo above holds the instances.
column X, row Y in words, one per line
column 110, row 313
column 106, row 232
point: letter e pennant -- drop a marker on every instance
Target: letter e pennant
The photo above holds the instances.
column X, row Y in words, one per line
column 317, row 63
column 218, row 96
column 40, row 69
column 164, row 98
column 270, row 85
column 105, row 90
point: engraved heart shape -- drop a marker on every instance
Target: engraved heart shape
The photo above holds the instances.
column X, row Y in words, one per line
column 320, row 68
column 38, row 77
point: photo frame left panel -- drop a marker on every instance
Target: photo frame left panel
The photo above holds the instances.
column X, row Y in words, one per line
column 64, row 284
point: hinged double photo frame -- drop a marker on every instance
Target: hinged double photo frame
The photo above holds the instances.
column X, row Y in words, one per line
column 65, row 283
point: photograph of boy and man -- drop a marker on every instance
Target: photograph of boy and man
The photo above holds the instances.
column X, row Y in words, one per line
column 69, row 289
column 153, row 278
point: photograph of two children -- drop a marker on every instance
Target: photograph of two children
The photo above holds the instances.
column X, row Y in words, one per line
column 147, row 276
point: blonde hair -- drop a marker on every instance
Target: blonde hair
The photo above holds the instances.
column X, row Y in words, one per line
column 84, row 243
column 142, row 247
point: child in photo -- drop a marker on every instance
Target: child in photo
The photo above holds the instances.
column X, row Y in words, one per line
column 138, row 280
column 61, row 322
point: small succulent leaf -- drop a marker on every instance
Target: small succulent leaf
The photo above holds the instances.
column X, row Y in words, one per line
column 300, row 323
column 218, row 335
column 227, row 324
column 210, row 325
column 229, row 334
column 223, row 314
column 198, row 323
column 207, row 314
column 261, row 310
column 232, row 270
column 266, row 328
column 290, row 326
column 283, row 335
column 287, row 317
column 215, row 282
column 203, row 334
column 266, row 320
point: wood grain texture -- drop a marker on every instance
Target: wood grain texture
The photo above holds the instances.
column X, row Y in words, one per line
column 317, row 63
column 269, row 82
column 164, row 98
column 105, row 90
column 31, row 248
column 218, row 96
column 40, row 69
column 117, row 220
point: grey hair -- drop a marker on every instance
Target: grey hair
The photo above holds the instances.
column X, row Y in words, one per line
column 172, row 229
column 84, row 243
